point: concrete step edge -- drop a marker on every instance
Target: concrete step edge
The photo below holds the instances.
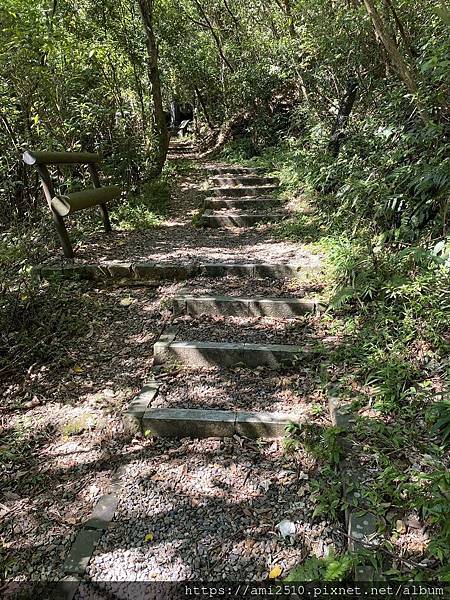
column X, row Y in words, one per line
column 231, row 213
column 290, row 348
column 246, row 307
column 148, row 270
column 238, row 220
column 255, row 179
column 233, row 169
column 227, row 354
column 242, row 188
column 191, row 422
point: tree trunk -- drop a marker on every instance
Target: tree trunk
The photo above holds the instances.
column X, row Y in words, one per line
column 159, row 118
column 344, row 111
column 226, row 132
column 203, row 106
column 288, row 11
column 403, row 33
column 405, row 72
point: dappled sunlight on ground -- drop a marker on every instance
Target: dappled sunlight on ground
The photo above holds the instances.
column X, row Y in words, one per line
column 211, row 507
column 294, row 391
column 178, row 240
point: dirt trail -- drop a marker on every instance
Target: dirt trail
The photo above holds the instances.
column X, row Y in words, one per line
column 188, row 509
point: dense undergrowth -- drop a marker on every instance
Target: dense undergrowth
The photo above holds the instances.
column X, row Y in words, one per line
column 379, row 213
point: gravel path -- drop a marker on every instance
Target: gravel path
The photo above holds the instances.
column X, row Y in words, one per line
column 178, row 240
column 61, row 427
column 211, row 508
column 302, row 331
column 242, row 389
column 246, row 288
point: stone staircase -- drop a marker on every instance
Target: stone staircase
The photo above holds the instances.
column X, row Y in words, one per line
column 181, row 148
column 185, row 508
column 240, row 197
column 195, row 341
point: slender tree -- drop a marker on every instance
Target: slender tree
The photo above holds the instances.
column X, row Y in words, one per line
column 406, row 73
column 343, row 115
column 160, row 132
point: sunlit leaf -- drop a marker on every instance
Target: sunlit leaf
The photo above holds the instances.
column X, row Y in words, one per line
column 275, row 572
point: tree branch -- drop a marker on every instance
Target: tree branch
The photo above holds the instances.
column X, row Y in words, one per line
column 214, row 34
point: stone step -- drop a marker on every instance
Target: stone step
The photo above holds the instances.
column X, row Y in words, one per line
column 235, row 219
column 198, row 423
column 242, row 191
column 242, row 180
column 151, row 271
column 182, row 148
column 230, row 170
column 224, row 354
column 179, row 143
column 181, row 151
column 240, row 203
column 176, row 405
column 260, row 270
column 284, row 308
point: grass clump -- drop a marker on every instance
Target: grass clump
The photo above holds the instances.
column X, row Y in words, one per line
column 145, row 209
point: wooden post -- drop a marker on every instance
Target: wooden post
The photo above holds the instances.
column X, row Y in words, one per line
column 61, row 206
column 102, row 207
column 47, row 186
column 33, row 157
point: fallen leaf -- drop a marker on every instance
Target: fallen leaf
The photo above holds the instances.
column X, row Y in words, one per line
column 71, row 520
column 275, row 572
column 77, row 369
column 4, row 509
column 264, row 484
column 149, row 537
column 126, row 301
column 249, row 543
column 11, row 495
column 32, row 403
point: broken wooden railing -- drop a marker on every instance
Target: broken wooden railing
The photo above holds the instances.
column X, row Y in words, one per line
column 63, row 205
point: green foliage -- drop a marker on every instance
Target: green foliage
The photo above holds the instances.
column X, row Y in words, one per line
column 436, row 507
column 326, row 445
column 145, row 209
column 71, row 78
column 331, row 568
column 441, row 412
